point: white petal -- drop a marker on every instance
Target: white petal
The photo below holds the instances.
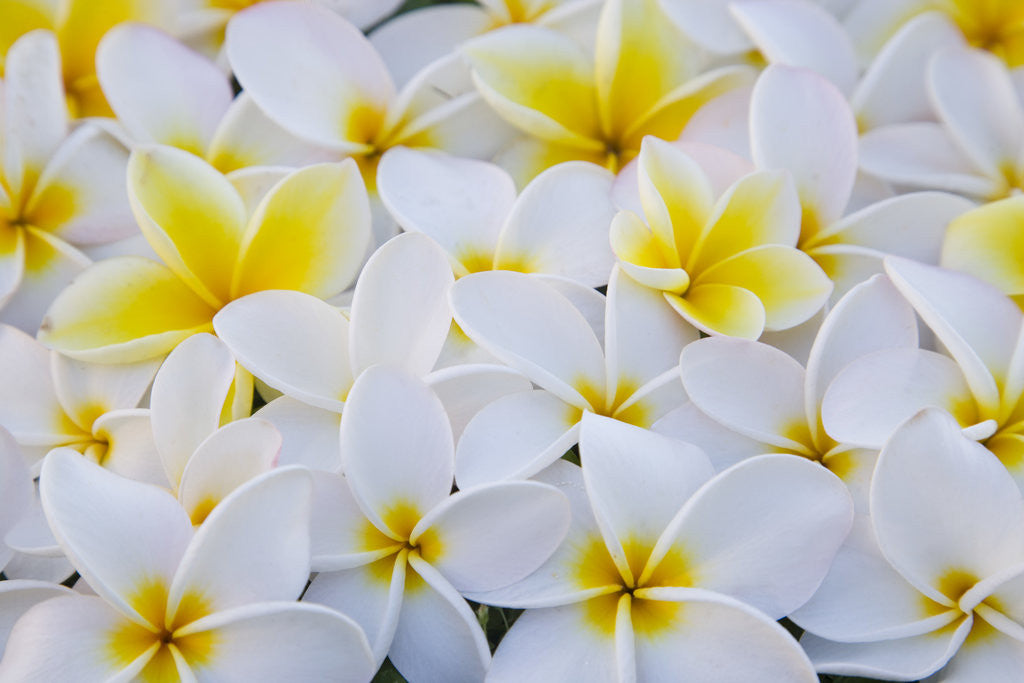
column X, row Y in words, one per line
column 50, row 266
column 87, row 390
column 310, row 434
column 117, row 553
column 928, row 470
column 494, row 535
column 400, row 313
column 515, row 437
column 794, row 114
column 294, row 342
column 986, row 655
column 723, row 446
column 466, row 389
column 131, row 451
column 188, row 399
column 339, row 535
column 709, row 23
column 253, row 547
column 396, row 474
column 17, row 597
column 745, row 540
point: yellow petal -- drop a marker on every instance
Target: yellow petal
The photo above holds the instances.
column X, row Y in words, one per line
column 789, row 284
column 309, row 233
column 645, row 257
column 124, row 310
column 524, row 159
column 676, row 196
column 721, row 309
column 191, row 216
column 988, row 243
column 539, row 81
column 761, row 208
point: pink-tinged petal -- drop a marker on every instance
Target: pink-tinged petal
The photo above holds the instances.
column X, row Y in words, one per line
column 35, row 116
column 412, row 40
column 794, row 115
column 232, row 455
column 637, row 481
column 908, row 659
column 540, row 82
column 87, row 390
column 190, row 214
column 438, row 637
column 400, row 314
column 739, row 537
column 228, row 562
column 555, row 644
column 188, row 399
column 50, row 265
column 371, row 594
column 713, row 637
column 283, row 640
column 975, row 98
column 493, row 535
column 130, row 450
column 893, row 88
column 749, row 387
column 309, row 233
column 531, row 327
column 80, row 196
column 800, row 34
column 29, row 405
column 460, row 203
column 397, row 475
column 976, row 323
column 559, row 225
column 928, row 469
column 312, row 72
column 718, row 309
column 515, row 437
column 340, row 535
column 465, row 389
column 71, row 637
column 922, row 155
column 122, row 556
column 864, row 599
column 294, row 342
column 160, row 90
column 310, row 434
column 17, row 597
column 876, row 393
column 986, row 655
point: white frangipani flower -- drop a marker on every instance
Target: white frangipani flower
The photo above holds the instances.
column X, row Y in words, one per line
column 176, row 604
column 393, row 546
column 666, row 567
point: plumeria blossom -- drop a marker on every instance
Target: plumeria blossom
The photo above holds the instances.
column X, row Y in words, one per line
column 729, row 266
column 976, row 147
column 163, row 92
column 764, row 395
column 309, row 233
column 670, row 573
column 980, row 383
column 987, row 243
column 641, row 80
column 58, row 192
column 908, row 600
column 16, row 491
column 393, row 546
column 529, row 325
column 175, row 604
column 312, row 352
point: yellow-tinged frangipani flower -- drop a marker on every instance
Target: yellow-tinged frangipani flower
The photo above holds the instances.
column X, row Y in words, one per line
column 988, row 243
column 308, row 233
column 642, row 80
column 729, row 266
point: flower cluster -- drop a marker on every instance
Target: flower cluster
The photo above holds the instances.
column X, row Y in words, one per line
column 517, row 340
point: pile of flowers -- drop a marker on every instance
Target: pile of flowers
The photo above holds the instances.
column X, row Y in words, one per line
column 519, row 340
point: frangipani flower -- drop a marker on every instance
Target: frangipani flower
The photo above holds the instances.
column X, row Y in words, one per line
column 642, row 80
column 162, row 92
column 980, row 383
column 931, row 582
column 309, row 233
column 976, row 149
column 395, row 547
column 58, row 192
column 531, row 327
column 172, row 602
column 988, row 243
column 665, row 568
column 729, row 266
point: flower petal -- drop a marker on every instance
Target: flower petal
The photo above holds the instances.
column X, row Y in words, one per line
column 130, row 451
column 310, row 434
column 718, row 309
column 984, row 242
column 17, row 597
column 465, row 389
column 87, row 390
column 49, row 265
